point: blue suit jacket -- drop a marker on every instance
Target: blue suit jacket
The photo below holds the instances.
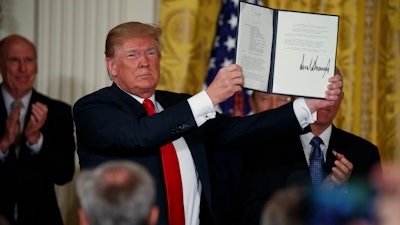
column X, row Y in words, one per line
column 30, row 180
column 111, row 125
column 281, row 163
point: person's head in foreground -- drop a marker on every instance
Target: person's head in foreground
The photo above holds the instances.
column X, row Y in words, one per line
column 117, row 192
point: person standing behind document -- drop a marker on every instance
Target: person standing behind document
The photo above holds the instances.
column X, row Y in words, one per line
column 228, row 166
column 348, row 160
column 261, row 101
column 37, row 143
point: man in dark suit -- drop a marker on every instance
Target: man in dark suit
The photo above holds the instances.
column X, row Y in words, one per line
column 349, row 160
column 37, row 144
column 111, row 123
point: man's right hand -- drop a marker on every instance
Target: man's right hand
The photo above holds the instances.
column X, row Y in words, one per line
column 12, row 129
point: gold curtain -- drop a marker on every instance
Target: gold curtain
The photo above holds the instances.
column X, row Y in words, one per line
column 368, row 54
column 188, row 34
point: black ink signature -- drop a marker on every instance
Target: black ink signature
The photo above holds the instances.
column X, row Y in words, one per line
column 313, row 66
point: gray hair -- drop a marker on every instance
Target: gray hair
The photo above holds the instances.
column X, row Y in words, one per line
column 116, row 193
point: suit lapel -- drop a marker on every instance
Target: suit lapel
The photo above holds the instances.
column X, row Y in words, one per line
column 297, row 155
column 330, row 158
column 3, row 114
column 24, row 152
column 130, row 104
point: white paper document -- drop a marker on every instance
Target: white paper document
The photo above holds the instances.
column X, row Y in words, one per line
column 286, row 52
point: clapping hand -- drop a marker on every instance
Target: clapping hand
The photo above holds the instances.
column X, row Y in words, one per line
column 36, row 121
column 341, row 172
column 12, row 129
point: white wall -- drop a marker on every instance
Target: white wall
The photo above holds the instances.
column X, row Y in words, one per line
column 18, row 16
column 70, row 36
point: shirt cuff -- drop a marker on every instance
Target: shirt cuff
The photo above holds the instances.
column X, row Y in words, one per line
column 4, row 155
column 202, row 107
column 302, row 112
column 35, row 148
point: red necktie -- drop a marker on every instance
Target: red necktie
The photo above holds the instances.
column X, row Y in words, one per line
column 172, row 177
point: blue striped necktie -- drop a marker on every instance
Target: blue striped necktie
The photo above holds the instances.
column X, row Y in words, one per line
column 316, row 162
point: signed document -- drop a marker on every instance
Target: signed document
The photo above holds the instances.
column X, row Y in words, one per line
column 286, row 52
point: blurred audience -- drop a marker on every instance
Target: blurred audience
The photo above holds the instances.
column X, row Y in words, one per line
column 286, row 207
column 4, row 221
column 387, row 203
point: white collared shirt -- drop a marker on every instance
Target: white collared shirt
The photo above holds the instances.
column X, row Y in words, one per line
column 307, row 148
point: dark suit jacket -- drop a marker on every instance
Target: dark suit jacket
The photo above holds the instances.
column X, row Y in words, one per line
column 29, row 181
column 281, row 163
column 110, row 124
